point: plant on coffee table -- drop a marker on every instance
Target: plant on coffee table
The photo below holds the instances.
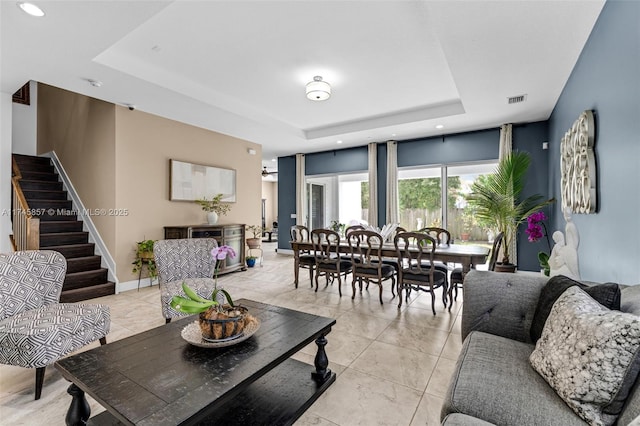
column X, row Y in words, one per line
column 218, row 320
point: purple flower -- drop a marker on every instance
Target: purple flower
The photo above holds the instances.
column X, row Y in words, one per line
column 221, row 252
column 534, row 228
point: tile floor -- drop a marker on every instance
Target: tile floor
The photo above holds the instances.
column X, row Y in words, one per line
column 393, row 365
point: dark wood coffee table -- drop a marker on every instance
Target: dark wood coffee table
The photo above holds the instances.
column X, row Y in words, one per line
column 157, row 378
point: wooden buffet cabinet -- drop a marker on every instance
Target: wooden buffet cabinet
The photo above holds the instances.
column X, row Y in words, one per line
column 231, row 235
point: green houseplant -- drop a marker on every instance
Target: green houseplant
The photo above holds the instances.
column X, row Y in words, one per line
column 256, row 231
column 214, row 207
column 144, row 255
column 497, row 200
column 217, row 319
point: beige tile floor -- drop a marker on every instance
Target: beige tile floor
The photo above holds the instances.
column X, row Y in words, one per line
column 393, row 365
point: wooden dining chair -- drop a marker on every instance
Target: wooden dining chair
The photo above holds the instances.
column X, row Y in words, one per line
column 326, row 246
column 457, row 277
column 366, row 255
column 442, row 237
column 303, row 259
column 416, row 269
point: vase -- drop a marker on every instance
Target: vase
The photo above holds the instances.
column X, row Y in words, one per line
column 212, row 218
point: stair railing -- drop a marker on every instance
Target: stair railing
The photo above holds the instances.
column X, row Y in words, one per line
column 26, row 227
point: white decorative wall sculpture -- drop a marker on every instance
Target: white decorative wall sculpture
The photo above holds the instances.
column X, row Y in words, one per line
column 578, row 166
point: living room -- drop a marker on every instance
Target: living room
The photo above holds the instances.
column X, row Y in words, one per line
column 115, row 171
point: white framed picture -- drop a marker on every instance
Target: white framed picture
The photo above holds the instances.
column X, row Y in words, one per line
column 191, row 182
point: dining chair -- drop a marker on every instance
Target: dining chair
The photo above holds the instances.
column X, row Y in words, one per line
column 416, row 269
column 302, row 258
column 457, row 277
column 366, row 255
column 185, row 260
column 36, row 329
column 326, row 249
column 442, row 237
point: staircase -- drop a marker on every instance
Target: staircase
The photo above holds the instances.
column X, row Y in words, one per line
column 60, row 230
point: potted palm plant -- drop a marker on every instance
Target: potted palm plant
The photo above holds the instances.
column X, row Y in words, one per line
column 214, row 207
column 497, row 202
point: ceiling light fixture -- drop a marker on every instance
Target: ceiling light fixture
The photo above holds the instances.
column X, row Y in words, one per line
column 318, row 90
column 338, row 141
column 31, row 9
column 440, row 126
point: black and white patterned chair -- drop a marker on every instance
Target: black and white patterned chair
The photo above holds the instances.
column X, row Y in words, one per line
column 35, row 329
column 187, row 260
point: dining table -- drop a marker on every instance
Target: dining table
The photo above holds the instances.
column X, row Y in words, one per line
column 467, row 255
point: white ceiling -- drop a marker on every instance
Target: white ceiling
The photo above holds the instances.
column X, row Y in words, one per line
column 397, row 68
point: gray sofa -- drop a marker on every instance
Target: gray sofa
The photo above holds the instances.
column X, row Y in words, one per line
column 494, row 382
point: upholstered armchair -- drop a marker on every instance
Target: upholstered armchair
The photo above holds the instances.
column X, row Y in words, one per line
column 35, row 329
column 186, row 260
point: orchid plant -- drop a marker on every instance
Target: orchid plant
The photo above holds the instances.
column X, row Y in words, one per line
column 194, row 303
column 535, row 227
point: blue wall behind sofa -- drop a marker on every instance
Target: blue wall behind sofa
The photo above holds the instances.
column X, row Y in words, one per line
column 606, row 79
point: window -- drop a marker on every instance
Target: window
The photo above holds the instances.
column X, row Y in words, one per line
column 342, row 198
column 421, row 197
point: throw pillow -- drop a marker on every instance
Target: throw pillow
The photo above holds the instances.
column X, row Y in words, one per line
column 606, row 294
column 589, row 355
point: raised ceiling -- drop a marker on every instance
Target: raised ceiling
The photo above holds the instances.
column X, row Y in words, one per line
column 397, row 68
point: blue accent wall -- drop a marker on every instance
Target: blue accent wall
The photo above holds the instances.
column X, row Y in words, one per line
column 461, row 147
column 338, row 161
column 606, row 79
column 286, row 199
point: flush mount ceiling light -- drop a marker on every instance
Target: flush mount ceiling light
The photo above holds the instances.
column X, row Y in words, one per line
column 30, row 8
column 318, row 90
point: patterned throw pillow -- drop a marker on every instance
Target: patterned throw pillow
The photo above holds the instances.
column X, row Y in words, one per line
column 589, row 355
column 607, row 295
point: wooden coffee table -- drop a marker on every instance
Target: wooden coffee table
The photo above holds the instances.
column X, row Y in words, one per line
column 157, row 378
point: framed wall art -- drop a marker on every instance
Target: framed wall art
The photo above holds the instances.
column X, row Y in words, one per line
column 189, row 182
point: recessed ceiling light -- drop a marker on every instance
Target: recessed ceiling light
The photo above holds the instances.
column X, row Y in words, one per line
column 31, row 9
column 393, row 134
column 338, row 141
column 273, row 159
column 440, row 126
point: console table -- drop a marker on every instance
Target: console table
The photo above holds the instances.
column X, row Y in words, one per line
column 231, row 235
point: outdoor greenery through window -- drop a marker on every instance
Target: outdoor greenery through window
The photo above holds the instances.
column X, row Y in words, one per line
column 421, row 198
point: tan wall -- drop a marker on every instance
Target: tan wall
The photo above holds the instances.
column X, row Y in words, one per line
column 144, row 145
column 119, row 159
column 270, row 194
column 81, row 130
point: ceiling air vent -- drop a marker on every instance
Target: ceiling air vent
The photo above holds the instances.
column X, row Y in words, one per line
column 516, row 99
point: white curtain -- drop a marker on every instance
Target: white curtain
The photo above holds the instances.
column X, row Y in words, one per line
column 506, row 147
column 392, row 182
column 373, row 184
column 505, row 141
column 300, row 190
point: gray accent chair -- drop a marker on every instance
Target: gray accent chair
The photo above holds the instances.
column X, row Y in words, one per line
column 185, row 260
column 35, row 329
column 493, row 380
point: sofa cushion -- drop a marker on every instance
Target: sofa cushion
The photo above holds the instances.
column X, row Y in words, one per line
column 494, row 381
column 590, row 355
column 630, row 299
column 457, row 419
column 607, row 294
